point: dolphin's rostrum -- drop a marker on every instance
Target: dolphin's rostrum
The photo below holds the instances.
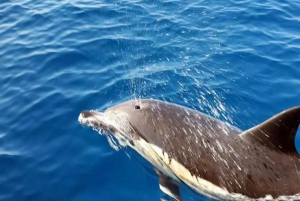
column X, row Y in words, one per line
column 212, row 157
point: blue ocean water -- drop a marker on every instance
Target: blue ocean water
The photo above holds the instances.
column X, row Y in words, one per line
column 235, row 60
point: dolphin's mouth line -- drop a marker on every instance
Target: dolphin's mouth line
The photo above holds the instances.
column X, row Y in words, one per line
column 96, row 120
column 107, row 125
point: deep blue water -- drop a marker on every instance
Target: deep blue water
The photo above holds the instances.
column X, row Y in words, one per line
column 235, row 60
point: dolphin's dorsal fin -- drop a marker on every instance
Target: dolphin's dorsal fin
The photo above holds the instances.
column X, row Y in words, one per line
column 278, row 132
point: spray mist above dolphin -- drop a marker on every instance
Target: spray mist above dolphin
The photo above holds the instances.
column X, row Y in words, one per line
column 212, row 157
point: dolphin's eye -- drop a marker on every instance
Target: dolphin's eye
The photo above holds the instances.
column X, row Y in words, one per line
column 137, row 107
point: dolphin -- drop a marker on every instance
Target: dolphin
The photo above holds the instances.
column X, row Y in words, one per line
column 212, row 157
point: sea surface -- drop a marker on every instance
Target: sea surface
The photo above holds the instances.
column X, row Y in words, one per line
column 236, row 60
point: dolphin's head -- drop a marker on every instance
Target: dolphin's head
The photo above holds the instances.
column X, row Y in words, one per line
column 124, row 120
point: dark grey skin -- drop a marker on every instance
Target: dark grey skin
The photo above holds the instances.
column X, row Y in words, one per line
column 258, row 162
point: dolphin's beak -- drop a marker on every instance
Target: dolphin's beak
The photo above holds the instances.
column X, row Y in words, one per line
column 94, row 119
column 87, row 114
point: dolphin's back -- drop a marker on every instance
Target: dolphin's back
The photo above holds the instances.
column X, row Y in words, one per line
column 214, row 151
